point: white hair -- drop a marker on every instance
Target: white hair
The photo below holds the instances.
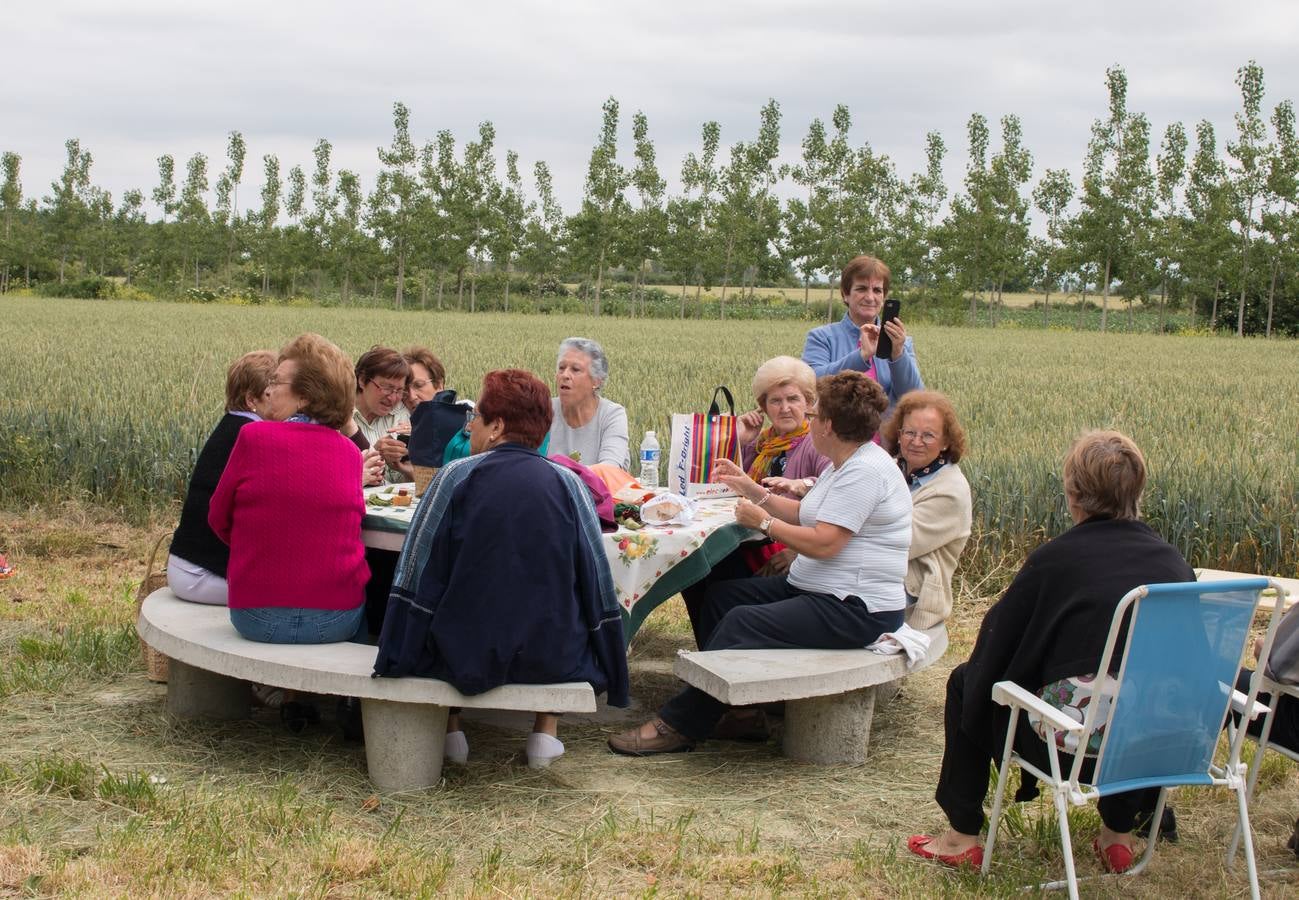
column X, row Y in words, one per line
column 599, row 362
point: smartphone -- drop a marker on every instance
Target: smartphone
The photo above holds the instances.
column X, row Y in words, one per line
column 885, row 346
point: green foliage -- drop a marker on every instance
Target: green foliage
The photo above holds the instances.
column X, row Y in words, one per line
column 92, row 287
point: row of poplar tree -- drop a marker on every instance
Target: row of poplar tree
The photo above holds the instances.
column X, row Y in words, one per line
column 1178, row 225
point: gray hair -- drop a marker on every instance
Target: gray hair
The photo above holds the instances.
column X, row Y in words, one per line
column 599, row 362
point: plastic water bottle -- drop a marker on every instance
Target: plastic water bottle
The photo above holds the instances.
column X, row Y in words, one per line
column 649, row 461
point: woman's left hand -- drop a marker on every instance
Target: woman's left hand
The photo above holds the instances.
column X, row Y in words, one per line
column 391, row 449
column 898, row 332
column 749, row 514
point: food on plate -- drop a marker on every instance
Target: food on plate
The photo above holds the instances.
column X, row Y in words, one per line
column 401, row 499
column 662, row 511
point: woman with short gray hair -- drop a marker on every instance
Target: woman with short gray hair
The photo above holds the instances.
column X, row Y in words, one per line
column 587, row 427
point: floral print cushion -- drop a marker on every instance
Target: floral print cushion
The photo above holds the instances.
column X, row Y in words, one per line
column 1072, row 696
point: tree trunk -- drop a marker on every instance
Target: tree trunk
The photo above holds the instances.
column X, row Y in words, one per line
column 1163, row 303
column 63, row 261
column 1082, row 306
column 347, row 286
column 1271, row 295
column 473, row 285
column 507, row 286
column 1244, row 268
column 1213, row 316
column 401, row 278
column 1105, row 295
column 423, row 291
column 726, row 278
column 974, row 302
column 807, row 296
column 460, row 287
column 683, row 298
column 375, row 295
column 599, row 280
column 1046, row 305
column 441, row 279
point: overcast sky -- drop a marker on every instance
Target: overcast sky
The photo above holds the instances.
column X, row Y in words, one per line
column 134, row 79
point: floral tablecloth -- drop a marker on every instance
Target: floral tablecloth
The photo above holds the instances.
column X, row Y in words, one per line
column 648, row 566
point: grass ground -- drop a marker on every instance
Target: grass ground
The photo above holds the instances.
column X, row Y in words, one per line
column 102, row 795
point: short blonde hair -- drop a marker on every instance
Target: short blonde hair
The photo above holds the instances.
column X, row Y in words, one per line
column 248, row 376
column 325, row 379
column 1104, row 474
column 782, row 370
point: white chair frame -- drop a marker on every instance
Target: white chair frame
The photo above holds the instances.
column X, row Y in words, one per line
column 1068, row 789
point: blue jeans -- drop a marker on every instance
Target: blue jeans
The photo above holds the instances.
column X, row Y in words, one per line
column 289, row 625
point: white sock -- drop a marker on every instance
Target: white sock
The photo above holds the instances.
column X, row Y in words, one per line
column 542, row 749
column 456, row 748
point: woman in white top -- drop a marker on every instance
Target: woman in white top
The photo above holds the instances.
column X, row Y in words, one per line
column 843, row 590
column 586, row 427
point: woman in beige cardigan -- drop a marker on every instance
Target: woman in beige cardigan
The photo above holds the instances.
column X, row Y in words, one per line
column 928, row 442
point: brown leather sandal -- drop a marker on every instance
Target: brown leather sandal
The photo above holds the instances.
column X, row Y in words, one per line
column 666, row 740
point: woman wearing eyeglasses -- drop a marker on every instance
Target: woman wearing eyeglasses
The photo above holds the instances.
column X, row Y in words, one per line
column 382, row 379
column 928, row 442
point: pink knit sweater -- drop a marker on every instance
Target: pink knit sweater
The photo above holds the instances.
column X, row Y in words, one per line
column 289, row 504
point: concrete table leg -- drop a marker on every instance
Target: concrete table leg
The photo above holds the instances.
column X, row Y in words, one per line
column 196, row 693
column 830, row 730
column 403, row 743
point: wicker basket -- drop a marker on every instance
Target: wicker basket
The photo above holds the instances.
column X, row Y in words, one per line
column 156, row 664
column 423, row 476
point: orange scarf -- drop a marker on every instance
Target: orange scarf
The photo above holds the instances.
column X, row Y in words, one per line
column 770, row 445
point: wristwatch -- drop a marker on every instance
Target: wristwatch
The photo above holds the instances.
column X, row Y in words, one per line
column 765, row 526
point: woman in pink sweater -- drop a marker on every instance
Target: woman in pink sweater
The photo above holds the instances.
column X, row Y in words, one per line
column 289, row 504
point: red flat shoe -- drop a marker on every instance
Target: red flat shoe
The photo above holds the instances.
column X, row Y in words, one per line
column 1115, row 858
column 919, row 845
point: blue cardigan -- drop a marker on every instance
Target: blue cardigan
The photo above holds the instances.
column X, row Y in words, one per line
column 503, row 580
column 834, row 348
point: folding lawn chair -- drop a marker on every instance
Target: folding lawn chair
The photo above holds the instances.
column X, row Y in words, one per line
column 1275, row 690
column 1166, row 708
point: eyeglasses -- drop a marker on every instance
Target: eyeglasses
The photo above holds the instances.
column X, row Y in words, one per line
column 387, row 390
column 471, row 415
column 275, row 382
column 925, row 437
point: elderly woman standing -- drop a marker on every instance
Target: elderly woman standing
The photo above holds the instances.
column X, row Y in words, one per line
column 587, row 427
column 1047, row 633
column 843, row 590
column 784, row 389
column 503, row 578
column 289, row 505
column 196, row 569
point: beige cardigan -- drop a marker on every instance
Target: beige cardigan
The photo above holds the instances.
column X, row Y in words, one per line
column 940, row 526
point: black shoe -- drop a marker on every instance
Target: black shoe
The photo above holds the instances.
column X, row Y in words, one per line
column 349, row 719
column 297, row 715
column 1167, row 825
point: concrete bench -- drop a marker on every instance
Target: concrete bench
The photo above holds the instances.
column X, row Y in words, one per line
column 829, row 695
column 405, row 718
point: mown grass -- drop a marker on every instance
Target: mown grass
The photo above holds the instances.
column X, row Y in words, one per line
column 102, row 794
column 109, row 402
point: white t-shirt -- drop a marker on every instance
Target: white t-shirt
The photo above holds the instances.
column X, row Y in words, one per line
column 869, row 497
